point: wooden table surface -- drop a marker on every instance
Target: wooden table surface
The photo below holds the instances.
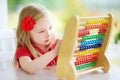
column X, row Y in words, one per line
column 18, row 74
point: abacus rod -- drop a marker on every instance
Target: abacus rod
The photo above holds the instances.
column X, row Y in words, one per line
column 89, row 70
column 79, row 38
column 81, row 27
column 76, row 49
column 93, row 17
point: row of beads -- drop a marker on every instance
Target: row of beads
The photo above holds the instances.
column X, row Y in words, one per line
column 96, row 26
column 91, row 32
column 101, row 31
column 100, row 36
column 97, row 21
column 94, row 31
column 91, row 64
column 87, row 32
column 90, row 46
column 83, row 33
column 79, row 58
column 85, row 61
column 83, row 43
column 81, row 53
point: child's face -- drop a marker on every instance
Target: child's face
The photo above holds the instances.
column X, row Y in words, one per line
column 41, row 34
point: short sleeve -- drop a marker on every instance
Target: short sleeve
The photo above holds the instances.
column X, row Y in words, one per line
column 22, row 51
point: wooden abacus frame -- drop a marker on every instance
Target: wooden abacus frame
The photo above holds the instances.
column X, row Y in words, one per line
column 65, row 67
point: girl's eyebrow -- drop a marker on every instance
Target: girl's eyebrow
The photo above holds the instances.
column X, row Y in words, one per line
column 41, row 28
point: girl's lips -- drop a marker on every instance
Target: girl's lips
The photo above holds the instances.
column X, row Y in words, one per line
column 46, row 40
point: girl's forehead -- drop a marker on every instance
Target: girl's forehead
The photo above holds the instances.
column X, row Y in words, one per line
column 44, row 22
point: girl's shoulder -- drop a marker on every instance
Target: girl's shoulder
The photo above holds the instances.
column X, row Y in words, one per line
column 22, row 49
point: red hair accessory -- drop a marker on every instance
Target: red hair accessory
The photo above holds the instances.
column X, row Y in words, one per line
column 28, row 23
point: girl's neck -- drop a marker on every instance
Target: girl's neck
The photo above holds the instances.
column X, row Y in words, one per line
column 44, row 48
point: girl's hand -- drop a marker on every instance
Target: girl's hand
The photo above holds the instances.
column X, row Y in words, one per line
column 56, row 49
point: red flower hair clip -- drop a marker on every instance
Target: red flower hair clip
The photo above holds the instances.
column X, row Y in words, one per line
column 28, row 23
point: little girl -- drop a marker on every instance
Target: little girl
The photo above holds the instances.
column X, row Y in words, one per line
column 37, row 47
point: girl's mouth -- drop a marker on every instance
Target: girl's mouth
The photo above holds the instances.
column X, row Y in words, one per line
column 47, row 40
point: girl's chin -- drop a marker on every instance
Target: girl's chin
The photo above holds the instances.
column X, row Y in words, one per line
column 47, row 43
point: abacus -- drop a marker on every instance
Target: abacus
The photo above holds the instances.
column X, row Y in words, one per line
column 83, row 46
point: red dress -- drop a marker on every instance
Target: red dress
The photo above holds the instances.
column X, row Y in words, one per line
column 23, row 51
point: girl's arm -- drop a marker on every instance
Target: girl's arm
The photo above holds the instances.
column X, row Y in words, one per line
column 32, row 66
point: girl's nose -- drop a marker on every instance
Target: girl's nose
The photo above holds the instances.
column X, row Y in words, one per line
column 48, row 33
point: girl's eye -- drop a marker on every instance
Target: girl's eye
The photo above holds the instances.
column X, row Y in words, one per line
column 50, row 27
column 41, row 31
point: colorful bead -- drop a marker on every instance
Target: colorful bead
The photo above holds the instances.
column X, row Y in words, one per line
column 90, row 46
column 85, row 52
column 97, row 41
column 94, row 26
column 79, row 58
column 91, row 64
column 85, row 61
column 101, row 31
column 97, row 36
column 83, row 33
column 97, row 21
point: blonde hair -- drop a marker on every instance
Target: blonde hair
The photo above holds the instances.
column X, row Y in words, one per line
column 23, row 38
